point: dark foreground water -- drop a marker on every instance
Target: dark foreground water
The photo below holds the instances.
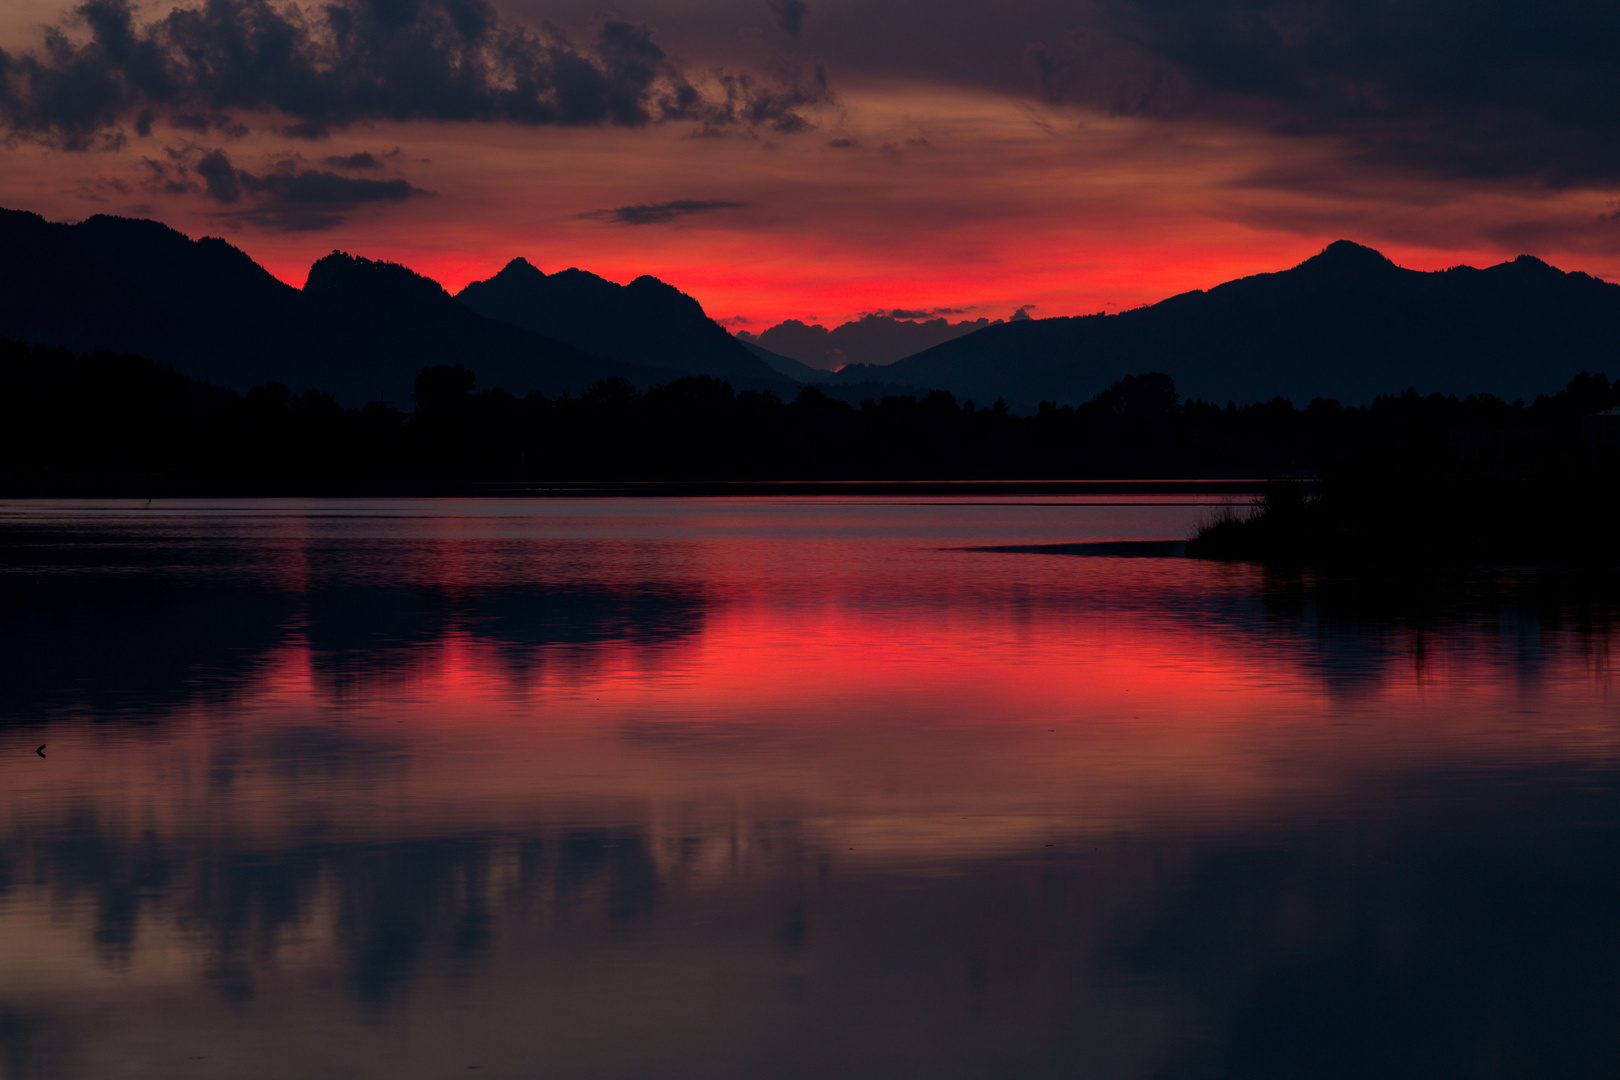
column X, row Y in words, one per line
column 781, row 788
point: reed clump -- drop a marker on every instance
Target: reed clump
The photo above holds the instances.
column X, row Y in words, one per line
column 1564, row 517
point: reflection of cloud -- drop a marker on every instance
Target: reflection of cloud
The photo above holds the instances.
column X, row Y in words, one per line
column 660, row 213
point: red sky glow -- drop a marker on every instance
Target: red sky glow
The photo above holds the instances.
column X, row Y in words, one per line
column 978, row 168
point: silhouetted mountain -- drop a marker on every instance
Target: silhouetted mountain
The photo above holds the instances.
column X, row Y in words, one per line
column 646, row 322
column 141, row 287
column 358, row 329
column 1346, row 324
column 376, row 313
column 871, row 339
column 784, row 365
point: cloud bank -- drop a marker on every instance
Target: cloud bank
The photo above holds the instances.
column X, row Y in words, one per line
column 328, row 66
column 1478, row 89
column 287, row 196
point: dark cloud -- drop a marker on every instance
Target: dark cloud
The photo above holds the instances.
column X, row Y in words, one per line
column 1464, row 88
column 660, row 213
column 317, row 187
column 287, row 196
column 324, row 67
column 198, row 122
column 312, row 130
column 843, row 144
column 364, row 160
column 221, row 180
column 917, row 313
column 1571, row 232
column 1492, row 89
column 745, row 103
column 790, row 15
column 167, row 177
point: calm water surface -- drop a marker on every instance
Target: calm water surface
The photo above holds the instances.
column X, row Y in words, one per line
column 787, row 788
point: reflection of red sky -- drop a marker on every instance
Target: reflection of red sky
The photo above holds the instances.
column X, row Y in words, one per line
column 849, row 669
column 814, row 749
column 924, row 734
column 980, row 696
column 832, row 666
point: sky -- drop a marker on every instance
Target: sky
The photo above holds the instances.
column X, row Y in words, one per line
column 818, row 159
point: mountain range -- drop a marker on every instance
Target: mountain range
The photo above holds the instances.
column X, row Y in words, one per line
column 359, row 329
column 872, row 339
column 1347, row 324
column 645, row 322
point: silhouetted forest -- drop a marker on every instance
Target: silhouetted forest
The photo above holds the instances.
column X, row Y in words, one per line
column 108, row 424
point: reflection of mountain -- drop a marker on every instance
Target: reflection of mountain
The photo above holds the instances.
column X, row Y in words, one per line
column 1356, row 635
column 1441, row 917
column 1459, row 931
column 362, row 635
column 1083, row 815
column 1347, row 324
column 124, row 648
column 135, row 623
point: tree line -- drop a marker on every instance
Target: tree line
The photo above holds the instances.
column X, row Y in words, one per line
column 114, row 424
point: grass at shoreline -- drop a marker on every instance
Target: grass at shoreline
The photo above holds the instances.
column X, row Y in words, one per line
column 1537, row 518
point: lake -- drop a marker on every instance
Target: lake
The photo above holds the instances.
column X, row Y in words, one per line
column 815, row 787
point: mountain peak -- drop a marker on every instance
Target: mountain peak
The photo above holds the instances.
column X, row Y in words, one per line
column 329, row 270
column 1347, row 257
column 520, row 268
column 647, row 322
column 1531, row 264
column 345, row 273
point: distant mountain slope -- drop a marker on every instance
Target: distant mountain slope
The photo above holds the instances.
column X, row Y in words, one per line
column 370, row 316
column 646, row 322
column 358, row 329
column 139, row 287
column 784, row 365
column 1346, row 324
column 871, row 339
